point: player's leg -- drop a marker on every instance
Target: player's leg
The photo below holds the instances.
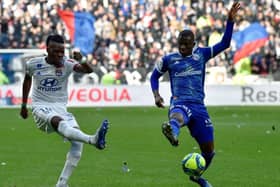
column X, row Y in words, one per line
column 71, row 132
column 56, row 118
column 64, row 128
column 171, row 129
column 207, row 151
column 202, row 130
column 72, row 159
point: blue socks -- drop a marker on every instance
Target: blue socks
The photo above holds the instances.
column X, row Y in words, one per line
column 175, row 127
column 208, row 158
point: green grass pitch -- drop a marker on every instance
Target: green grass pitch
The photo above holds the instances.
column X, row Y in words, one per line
column 247, row 150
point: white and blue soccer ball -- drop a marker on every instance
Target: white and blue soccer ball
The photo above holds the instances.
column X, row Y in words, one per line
column 193, row 164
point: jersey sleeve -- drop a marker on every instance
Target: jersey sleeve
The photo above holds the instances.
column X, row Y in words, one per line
column 210, row 52
column 226, row 39
column 29, row 68
column 162, row 66
column 207, row 53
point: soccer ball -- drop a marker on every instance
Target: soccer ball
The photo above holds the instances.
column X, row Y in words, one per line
column 193, row 164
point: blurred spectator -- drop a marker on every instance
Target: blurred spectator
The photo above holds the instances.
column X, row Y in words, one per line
column 255, row 67
column 243, row 67
column 3, row 78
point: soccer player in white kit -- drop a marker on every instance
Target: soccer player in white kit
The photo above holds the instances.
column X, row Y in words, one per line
column 49, row 75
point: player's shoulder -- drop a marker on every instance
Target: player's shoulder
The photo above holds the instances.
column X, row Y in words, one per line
column 36, row 60
column 172, row 56
column 202, row 53
column 198, row 49
column 69, row 60
column 72, row 61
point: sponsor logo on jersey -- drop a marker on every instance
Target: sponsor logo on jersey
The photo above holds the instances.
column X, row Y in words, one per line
column 188, row 72
column 49, row 84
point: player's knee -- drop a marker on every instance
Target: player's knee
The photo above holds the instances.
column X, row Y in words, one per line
column 55, row 121
column 178, row 117
column 63, row 129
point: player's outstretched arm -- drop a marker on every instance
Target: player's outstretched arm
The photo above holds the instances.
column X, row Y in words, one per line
column 25, row 92
column 225, row 42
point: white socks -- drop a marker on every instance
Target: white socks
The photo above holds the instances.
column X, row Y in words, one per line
column 72, row 160
column 73, row 133
column 76, row 137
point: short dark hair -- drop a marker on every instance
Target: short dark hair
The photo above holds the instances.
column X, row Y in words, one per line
column 55, row 38
column 185, row 33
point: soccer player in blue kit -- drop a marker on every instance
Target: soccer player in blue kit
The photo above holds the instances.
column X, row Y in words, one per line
column 186, row 70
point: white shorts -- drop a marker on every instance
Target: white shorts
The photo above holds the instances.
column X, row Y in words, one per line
column 43, row 114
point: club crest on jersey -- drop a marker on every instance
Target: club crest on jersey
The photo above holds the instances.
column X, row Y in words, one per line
column 58, row 72
column 195, row 56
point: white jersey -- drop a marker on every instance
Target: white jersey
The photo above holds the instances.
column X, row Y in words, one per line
column 50, row 84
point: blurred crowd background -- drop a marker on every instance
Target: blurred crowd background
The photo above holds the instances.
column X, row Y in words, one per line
column 131, row 35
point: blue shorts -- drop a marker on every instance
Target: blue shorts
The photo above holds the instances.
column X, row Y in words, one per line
column 197, row 119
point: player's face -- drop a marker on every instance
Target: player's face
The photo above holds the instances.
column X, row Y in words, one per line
column 186, row 44
column 55, row 52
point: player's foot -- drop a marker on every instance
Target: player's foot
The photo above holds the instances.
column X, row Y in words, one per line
column 100, row 135
column 201, row 181
column 167, row 131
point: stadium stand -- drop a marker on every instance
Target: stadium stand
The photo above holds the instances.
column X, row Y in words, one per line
column 132, row 35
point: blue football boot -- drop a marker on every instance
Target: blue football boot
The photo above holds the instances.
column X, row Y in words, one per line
column 201, row 181
column 100, row 135
column 167, row 131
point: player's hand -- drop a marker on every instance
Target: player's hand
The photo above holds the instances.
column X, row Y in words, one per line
column 233, row 11
column 77, row 55
column 24, row 112
column 159, row 101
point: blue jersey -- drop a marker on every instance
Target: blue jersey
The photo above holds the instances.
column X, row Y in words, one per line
column 187, row 74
